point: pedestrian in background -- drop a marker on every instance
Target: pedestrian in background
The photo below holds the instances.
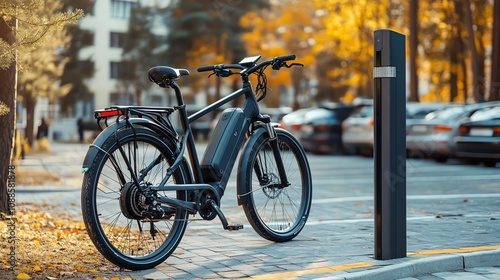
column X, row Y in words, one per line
column 42, row 142
column 43, row 130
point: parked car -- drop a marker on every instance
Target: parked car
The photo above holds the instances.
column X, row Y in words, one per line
column 276, row 114
column 418, row 110
column 293, row 121
column 434, row 135
column 479, row 137
column 321, row 131
column 357, row 131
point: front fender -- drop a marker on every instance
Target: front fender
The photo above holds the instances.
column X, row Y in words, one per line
column 243, row 188
column 107, row 132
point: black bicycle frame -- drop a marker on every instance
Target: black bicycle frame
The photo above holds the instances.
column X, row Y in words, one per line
column 250, row 108
column 251, row 112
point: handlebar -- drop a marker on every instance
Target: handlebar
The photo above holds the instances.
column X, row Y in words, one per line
column 277, row 63
column 220, row 67
column 249, row 66
column 286, row 57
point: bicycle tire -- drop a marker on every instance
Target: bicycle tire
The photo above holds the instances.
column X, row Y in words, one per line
column 130, row 242
column 276, row 213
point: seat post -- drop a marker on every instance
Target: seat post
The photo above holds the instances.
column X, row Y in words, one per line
column 181, row 106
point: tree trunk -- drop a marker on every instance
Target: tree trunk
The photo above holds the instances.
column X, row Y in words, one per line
column 413, row 50
column 463, row 70
column 473, row 52
column 454, row 67
column 297, row 76
column 495, row 54
column 8, row 96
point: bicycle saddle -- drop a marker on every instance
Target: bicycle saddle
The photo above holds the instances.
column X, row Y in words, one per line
column 160, row 74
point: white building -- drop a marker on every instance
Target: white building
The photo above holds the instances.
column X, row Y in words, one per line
column 109, row 23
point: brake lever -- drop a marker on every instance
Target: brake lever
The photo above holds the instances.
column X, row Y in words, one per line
column 221, row 73
column 276, row 65
column 294, row 64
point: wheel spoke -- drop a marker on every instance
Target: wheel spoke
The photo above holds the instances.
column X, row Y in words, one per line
column 275, row 211
column 114, row 205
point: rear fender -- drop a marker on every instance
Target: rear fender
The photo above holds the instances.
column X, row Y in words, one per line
column 114, row 128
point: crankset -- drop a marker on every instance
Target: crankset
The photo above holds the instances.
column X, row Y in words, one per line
column 207, row 205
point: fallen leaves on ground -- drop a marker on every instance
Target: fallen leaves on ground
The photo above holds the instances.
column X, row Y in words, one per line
column 36, row 178
column 51, row 246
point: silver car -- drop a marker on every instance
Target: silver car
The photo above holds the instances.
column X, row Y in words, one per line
column 293, row 121
column 433, row 136
column 357, row 131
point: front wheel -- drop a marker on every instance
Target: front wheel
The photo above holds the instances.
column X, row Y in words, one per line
column 276, row 212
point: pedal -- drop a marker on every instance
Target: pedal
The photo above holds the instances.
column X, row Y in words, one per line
column 234, row 227
column 223, row 219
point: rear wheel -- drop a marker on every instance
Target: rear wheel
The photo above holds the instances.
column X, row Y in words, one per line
column 276, row 212
column 126, row 226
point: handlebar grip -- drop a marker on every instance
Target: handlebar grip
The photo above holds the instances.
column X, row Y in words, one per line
column 206, row 68
column 286, row 57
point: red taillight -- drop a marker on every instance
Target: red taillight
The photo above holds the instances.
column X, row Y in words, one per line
column 322, row 127
column 443, row 128
column 371, row 121
column 109, row 113
column 296, row 126
column 344, row 126
column 496, row 130
column 463, row 130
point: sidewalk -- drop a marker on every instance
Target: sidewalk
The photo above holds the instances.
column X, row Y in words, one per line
column 449, row 247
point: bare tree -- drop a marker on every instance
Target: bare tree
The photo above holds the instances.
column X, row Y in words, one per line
column 413, row 50
column 474, row 61
column 12, row 38
column 7, row 96
column 495, row 54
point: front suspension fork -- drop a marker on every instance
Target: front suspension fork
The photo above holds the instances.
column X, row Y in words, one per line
column 273, row 141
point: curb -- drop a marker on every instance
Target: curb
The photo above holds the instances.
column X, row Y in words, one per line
column 427, row 265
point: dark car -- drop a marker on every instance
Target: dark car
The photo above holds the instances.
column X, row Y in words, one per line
column 321, row 131
column 479, row 137
column 434, row 135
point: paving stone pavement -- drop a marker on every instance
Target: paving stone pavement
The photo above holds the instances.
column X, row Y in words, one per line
column 448, row 247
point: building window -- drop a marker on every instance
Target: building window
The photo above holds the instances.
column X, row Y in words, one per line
column 114, row 70
column 116, row 39
column 119, row 98
column 121, row 8
column 155, row 100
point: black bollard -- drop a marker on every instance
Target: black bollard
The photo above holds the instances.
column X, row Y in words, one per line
column 390, row 144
